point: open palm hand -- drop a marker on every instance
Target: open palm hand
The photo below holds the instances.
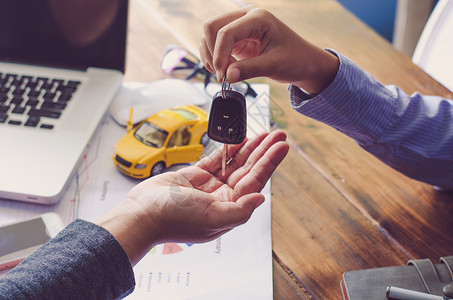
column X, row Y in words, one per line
column 197, row 203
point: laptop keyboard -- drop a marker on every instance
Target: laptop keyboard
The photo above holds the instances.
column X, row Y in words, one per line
column 33, row 101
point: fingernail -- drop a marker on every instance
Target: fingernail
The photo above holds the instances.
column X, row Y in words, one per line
column 219, row 76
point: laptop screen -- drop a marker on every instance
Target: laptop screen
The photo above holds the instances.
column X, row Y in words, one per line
column 64, row 33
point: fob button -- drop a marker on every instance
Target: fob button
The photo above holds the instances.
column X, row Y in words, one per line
column 226, row 116
column 219, row 128
column 230, row 130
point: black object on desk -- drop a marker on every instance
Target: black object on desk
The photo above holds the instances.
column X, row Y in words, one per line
column 419, row 275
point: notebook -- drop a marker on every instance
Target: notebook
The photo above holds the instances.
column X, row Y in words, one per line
column 420, row 275
column 61, row 63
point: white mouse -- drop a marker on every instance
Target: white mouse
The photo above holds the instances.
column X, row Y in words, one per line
column 150, row 98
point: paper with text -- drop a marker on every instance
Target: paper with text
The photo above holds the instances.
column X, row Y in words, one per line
column 237, row 265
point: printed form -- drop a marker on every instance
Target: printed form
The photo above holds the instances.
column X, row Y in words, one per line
column 237, row 265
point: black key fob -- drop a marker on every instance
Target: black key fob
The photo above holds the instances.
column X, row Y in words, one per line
column 228, row 118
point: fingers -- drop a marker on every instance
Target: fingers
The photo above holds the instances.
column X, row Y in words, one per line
column 206, row 56
column 213, row 162
column 245, row 156
column 257, row 167
column 241, row 33
column 211, row 29
column 213, row 25
column 252, row 42
column 264, row 65
column 255, row 179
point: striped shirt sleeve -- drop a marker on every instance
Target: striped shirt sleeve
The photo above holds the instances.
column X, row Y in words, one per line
column 411, row 133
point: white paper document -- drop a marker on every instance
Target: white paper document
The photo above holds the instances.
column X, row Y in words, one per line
column 238, row 265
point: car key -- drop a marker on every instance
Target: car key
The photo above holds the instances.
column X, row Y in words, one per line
column 227, row 122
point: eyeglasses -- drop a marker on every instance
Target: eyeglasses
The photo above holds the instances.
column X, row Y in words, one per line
column 180, row 63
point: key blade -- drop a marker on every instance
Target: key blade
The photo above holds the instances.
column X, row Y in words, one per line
column 224, row 158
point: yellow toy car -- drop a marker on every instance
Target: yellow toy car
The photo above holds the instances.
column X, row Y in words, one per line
column 171, row 136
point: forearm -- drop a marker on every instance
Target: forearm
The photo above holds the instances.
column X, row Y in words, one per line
column 82, row 262
column 413, row 134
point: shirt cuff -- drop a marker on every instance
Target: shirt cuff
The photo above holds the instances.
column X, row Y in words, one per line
column 349, row 103
column 299, row 96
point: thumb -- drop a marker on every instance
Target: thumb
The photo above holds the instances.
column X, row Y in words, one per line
column 249, row 68
column 246, row 206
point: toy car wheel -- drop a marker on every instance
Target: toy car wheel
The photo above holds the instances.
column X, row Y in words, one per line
column 157, row 169
column 204, row 139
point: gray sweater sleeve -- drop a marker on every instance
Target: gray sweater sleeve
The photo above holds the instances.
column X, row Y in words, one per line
column 84, row 261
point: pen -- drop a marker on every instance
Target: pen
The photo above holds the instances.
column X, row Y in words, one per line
column 404, row 294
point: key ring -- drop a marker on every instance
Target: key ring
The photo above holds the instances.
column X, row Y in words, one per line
column 225, row 87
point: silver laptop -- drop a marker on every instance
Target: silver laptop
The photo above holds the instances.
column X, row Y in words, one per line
column 60, row 66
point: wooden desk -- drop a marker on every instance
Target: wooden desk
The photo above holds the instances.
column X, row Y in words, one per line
column 335, row 207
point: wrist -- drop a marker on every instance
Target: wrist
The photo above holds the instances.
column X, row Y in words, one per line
column 131, row 227
column 319, row 72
